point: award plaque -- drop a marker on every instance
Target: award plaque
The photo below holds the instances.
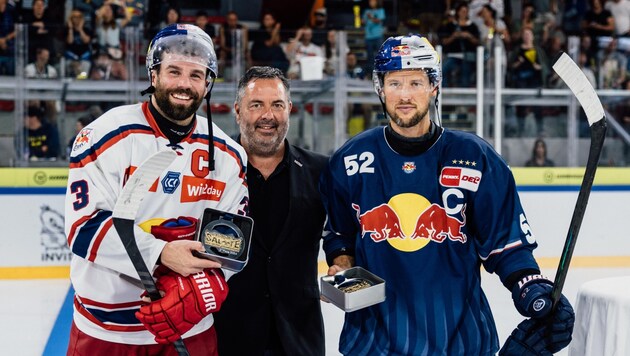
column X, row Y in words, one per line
column 226, row 238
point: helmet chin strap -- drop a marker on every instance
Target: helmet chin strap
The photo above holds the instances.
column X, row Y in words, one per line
column 437, row 113
column 210, row 133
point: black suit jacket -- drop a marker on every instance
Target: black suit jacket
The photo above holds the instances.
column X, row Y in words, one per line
column 282, row 279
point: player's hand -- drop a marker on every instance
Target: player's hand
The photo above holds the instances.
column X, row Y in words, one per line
column 186, row 301
column 340, row 263
column 177, row 256
column 547, row 331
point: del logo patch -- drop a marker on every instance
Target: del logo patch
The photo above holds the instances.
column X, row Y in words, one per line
column 460, row 177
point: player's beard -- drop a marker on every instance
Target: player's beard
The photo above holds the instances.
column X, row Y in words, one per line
column 413, row 121
column 177, row 112
column 264, row 145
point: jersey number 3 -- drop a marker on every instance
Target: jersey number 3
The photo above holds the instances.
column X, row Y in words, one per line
column 362, row 164
column 80, row 191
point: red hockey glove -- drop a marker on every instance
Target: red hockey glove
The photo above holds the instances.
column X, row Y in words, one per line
column 182, row 228
column 186, row 301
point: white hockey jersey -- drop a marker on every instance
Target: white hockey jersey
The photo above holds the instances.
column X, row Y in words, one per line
column 104, row 154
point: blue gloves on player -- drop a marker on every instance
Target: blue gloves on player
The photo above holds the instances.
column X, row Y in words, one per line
column 546, row 332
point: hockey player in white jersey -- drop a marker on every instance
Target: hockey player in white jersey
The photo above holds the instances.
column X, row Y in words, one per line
column 110, row 316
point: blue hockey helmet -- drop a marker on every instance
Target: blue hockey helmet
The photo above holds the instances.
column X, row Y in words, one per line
column 404, row 53
column 184, row 42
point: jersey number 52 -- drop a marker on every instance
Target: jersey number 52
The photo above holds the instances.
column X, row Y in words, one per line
column 359, row 164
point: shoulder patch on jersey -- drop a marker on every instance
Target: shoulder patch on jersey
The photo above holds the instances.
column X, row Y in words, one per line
column 460, row 177
column 83, row 138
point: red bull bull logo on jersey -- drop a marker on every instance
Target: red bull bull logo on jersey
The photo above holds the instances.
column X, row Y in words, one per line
column 83, row 138
column 410, row 231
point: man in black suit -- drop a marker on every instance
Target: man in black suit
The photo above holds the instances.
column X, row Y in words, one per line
column 273, row 307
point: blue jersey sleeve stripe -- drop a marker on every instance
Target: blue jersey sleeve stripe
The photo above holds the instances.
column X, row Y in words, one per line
column 107, row 141
column 121, row 317
column 87, row 233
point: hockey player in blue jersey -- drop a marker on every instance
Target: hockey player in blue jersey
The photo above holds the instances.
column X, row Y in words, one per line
column 424, row 208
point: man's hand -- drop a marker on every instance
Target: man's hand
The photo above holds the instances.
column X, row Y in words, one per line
column 340, row 263
column 177, row 256
column 547, row 331
column 186, row 301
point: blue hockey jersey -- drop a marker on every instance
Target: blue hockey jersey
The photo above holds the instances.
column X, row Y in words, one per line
column 425, row 224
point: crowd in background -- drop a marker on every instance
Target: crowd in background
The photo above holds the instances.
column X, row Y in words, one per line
column 89, row 43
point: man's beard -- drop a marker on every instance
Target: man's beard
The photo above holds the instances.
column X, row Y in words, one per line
column 265, row 146
column 177, row 112
column 415, row 120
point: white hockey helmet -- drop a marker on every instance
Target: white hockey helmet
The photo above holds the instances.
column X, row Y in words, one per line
column 403, row 53
column 184, row 42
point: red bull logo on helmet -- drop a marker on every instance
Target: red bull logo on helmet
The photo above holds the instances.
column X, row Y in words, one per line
column 460, row 177
column 402, row 50
column 409, row 222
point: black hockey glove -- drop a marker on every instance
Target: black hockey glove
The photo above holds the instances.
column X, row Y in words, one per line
column 544, row 333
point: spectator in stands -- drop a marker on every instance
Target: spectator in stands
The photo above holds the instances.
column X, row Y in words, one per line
column 597, row 22
column 40, row 29
column 7, row 38
column 620, row 9
column 105, row 67
column 542, row 24
column 460, row 39
column 42, row 137
column 82, row 122
column 431, row 15
column 229, row 34
column 373, row 20
column 526, row 65
column 78, row 51
column 171, row 17
column 40, row 68
column 572, row 16
column 108, row 30
column 320, row 26
column 539, row 155
column 493, row 32
column 353, row 70
column 587, row 68
column 110, row 52
column 266, row 50
column 492, row 27
column 332, row 53
column 612, row 66
column 201, row 21
column 299, row 47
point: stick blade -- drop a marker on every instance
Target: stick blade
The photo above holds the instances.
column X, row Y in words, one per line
column 139, row 183
column 575, row 79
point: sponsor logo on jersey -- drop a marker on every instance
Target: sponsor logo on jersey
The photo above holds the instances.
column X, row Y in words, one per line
column 197, row 189
column 170, row 182
column 82, row 139
column 408, row 222
column 409, row 167
column 460, row 177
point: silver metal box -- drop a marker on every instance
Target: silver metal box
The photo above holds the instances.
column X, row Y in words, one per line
column 353, row 298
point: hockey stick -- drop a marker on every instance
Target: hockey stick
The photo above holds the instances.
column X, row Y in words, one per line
column 586, row 95
column 124, row 216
